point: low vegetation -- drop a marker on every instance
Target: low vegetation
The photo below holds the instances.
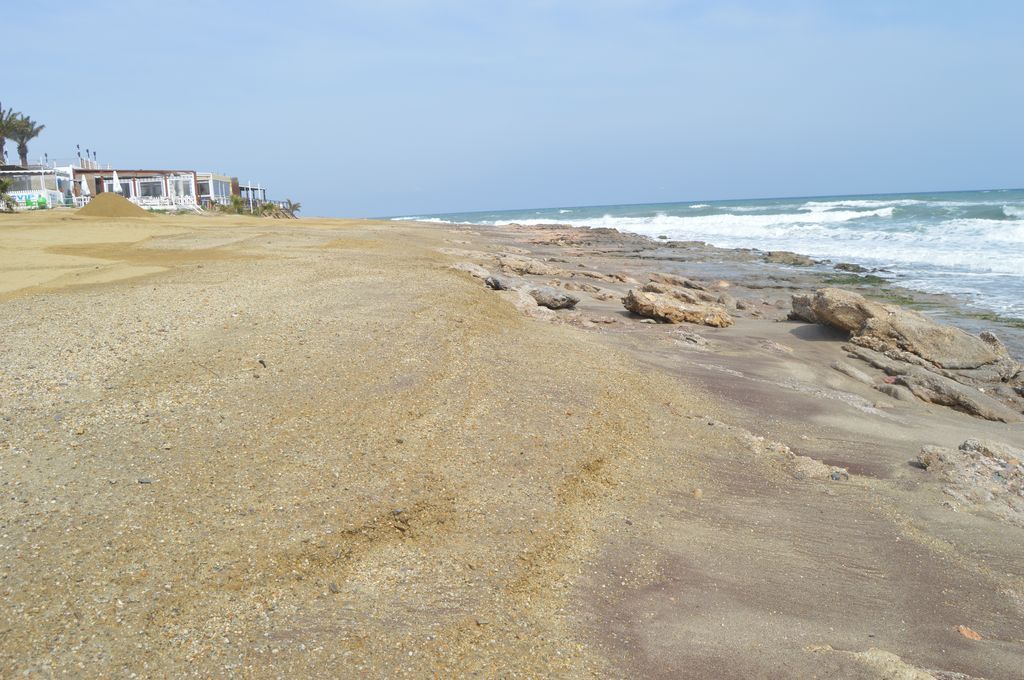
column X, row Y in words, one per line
column 7, row 203
column 240, row 206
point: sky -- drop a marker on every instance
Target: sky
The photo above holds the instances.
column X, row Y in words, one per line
column 404, row 107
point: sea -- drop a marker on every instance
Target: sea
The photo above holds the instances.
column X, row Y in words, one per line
column 967, row 244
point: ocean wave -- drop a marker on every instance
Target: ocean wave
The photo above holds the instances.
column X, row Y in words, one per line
column 433, row 220
column 760, row 208
column 955, row 246
column 817, row 206
column 966, row 244
column 752, row 225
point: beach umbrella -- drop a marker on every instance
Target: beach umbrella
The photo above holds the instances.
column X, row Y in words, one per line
column 85, row 186
column 116, row 183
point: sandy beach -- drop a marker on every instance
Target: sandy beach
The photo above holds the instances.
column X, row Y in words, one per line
column 242, row 447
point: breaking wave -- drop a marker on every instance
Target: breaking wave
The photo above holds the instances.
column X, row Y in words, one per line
column 725, row 224
column 967, row 243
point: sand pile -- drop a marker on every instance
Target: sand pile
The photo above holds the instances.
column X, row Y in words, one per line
column 112, row 205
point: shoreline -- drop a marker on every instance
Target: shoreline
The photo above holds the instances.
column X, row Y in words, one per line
column 892, row 222
column 316, row 448
column 809, row 272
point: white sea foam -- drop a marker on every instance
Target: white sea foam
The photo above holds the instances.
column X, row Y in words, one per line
column 817, row 206
column 434, row 220
column 970, row 248
column 958, row 245
column 727, row 223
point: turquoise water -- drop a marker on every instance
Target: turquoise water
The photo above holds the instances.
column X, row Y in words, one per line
column 969, row 244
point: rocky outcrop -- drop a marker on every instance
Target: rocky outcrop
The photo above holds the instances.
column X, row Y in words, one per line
column 471, row 269
column 802, row 308
column 607, row 278
column 795, row 465
column 469, row 254
column 525, row 303
column 668, row 309
column 503, row 283
column 727, row 301
column 596, row 291
column 850, row 267
column 984, row 473
column 623, row 277
column 676, row 280
column 938, row 389
column 545, row 296
column 518, row 264
column 853, row 372
column 786, row 257
column 681, row 294
column 883, row 326
column 552, row 298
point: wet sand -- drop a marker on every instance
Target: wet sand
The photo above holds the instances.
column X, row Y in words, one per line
column 242, row 447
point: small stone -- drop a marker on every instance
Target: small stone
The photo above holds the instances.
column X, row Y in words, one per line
column 145, row 480
column 333, row 587
column 698, row 493
column 968, row 633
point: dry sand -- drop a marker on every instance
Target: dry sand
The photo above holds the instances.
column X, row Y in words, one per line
column 236, row 447
column 111, row 205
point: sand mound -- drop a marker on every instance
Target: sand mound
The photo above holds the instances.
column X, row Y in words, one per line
column 112, row 205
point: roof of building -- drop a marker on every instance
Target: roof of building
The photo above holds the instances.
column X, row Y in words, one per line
column 99, row 171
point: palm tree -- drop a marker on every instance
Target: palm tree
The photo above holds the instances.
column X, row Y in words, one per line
column 25, row 130
column 291, row 207
column 6, row 202
column 7, row 120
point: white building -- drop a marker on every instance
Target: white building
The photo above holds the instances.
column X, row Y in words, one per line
column 150, row 189
column 42, row 186
column 38, row 187
column 214, row 188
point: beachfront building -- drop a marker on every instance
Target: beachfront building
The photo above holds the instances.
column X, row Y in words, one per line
column 252, row 194
column 150, row 189
column 74, row 185
column 38, row 186
column 215, row 189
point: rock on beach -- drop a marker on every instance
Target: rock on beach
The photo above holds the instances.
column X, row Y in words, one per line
column 894, row 326
column 668, row 309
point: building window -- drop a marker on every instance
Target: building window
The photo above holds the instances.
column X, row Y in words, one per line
column 151, row 188
column 182, row 186
column 108, row 185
